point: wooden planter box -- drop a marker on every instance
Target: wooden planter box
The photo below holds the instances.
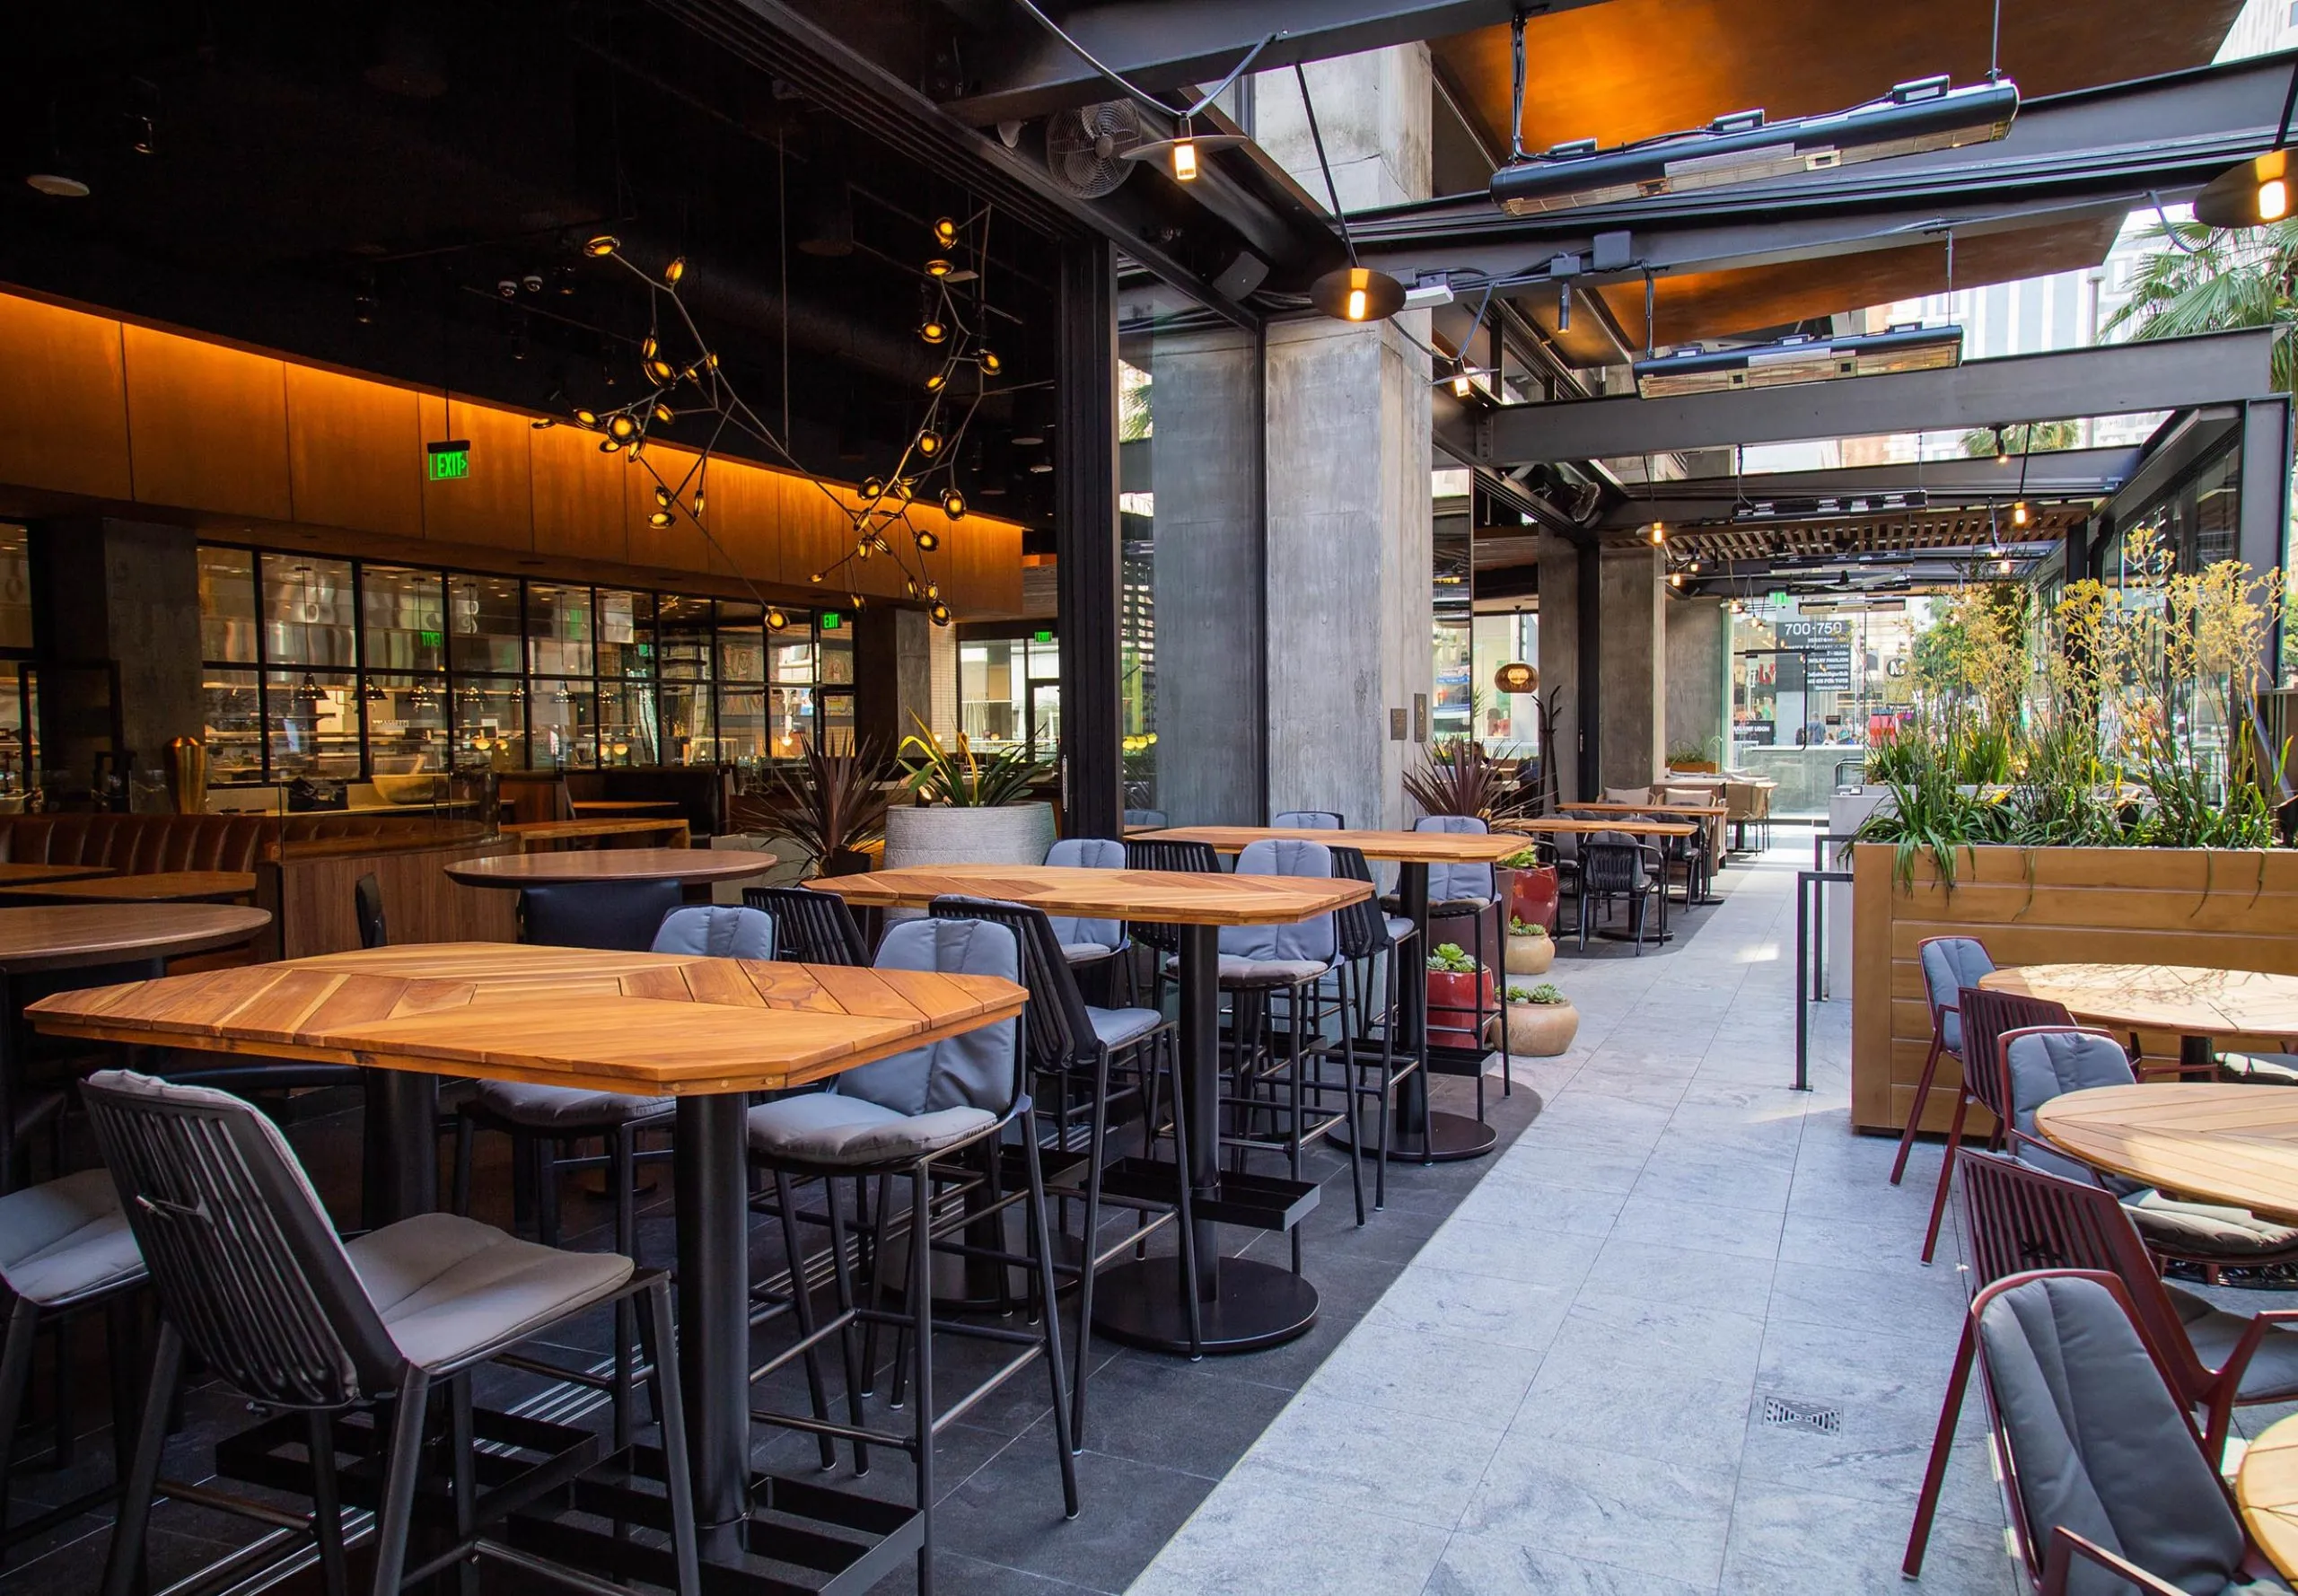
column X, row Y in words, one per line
column 2048, row 905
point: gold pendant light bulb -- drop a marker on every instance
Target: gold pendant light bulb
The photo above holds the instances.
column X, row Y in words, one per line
column 1185, row 160
column 935, row 383
column 1358, row 304
column 587, row 418
column 665, row 415
column 927, row 540
column 990, row 362
column 873, row 488
column 937, row 268
column 2274, row 199
column 1460, row 387
column 953, row 504
column 674, row 271
column 929, row 443
column 945, row 232
column 939, row 614
column 622, row 427
column 660, row 518
column 603, row 245
column 933, row 329
column 776, row 620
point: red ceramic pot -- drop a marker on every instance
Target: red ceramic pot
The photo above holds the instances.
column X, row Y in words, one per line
column 1533, row 896
column 1452, row 1002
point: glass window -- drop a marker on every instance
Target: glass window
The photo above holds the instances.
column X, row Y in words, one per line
column 491, row 721
column 838, row 655
column 307, row 611
column 685, row 737
column 792, row 712
column 742, row 643
column 684, row 626
column 566, row 725
column 311, row 719
column 626, row 634
column 483, row 630
column 226, row 605
column 990, row 693
column 407, row 725
column 233, row 725
column 558, row 630
column 794, row 658
column 402, row 616
column 627, row 723
column 743, row 726
column 16, row 588
column 837, row 722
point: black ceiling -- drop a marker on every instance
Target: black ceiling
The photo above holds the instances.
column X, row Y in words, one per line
column 305, row 166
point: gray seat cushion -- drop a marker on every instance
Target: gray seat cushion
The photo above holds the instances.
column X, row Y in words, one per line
column 1085, row 952
column 565, row 1110
column 1269, row 972
column 1950, row 964
column 1117, row 1027
column 2272, row 1374
column 825, row 1127
column 2279, row 1069
column 66, row 1239
column 717, row 930
column 1086, row 853
column 1399, row 927
column 2049, row 1066
column 448, row 1287
column 2099, row 1441
column 2208, row 1232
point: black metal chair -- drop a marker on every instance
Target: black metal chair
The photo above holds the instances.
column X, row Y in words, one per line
column 1614, row 867
column 367, row 904
column 810, row 927
column 1372, row 938
column 934, row 1115
column 617, row 915
column 1164, row 941
column 1075, row 1048
column 252, row 1279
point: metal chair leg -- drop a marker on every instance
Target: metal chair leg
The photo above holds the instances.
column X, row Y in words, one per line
column 801, row 1299
column 1946, row 1175
column 1099, row 1120
column 398, row 1510
column 849, row 1343
column 1921, row 1100
column 15, row 1374
column 662, row 1366
column 921, row 1318
column 1935, row 1476
column 124, row 1565
column 1042, row 1245
column 327, row 1504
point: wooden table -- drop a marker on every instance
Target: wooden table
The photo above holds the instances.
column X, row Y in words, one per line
column 611, row 864
column 163, row 886
column 26, row 873
column 1440, row 1137
column 2199, row 1003
column 1705, row 810
column 108, row 941
column 2236, row 1145
column 708, row 1031
column 2265, row 1489
column 594, row 807
column 1551, row 825
column 538, row 835
column 1243, row 1303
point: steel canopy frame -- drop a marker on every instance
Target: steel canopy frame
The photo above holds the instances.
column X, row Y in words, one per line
column 2044, row 475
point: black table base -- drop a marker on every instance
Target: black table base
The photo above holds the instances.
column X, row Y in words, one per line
column 1452, row 1138
column 1258, row 1305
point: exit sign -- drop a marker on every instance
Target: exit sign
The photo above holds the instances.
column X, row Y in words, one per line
column 1041, row 637
column 830, row 622
column 450, row 461
column 1778, row 598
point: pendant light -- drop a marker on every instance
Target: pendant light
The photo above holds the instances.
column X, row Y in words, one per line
column 2251, row 195
column 1354, row 293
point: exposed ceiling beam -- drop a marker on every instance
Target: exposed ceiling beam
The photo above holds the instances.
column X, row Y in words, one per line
column 2068, row 158
column 1023, row 71
column 2112, row 380
column 2055, row 474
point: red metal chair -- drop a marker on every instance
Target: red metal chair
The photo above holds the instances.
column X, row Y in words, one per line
column 1984, row 1016
column 1949, row 964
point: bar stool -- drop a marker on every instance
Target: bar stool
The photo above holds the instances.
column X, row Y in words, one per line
column 253, row 1279
column 917, row 1116
column 1164, row 941
column 1073, row 1049
column 65, row 1250
column 1471, row 892
column 1084, row 942
column 810, row 927
column 1370, row 936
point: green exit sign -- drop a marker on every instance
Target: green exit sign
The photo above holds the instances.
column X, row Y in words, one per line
column 830, row 622
column 1041, row 636
column 450, row 461
column 1780, row 597
column 433, row 639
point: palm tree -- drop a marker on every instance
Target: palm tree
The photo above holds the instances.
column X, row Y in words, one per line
column 2204, row 279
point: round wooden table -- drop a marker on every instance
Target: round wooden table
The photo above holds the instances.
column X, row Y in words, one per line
column 72, row 936
column 2234, row 1145
column 2200, row 1004
column 2266, row 1489
column 611, row 864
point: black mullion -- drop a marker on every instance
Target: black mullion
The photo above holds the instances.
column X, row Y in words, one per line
column 447, row 655
column 262, row 667
column 359, row 663
column 526, row 686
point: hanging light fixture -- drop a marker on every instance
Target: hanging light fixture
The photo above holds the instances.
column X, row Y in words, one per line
column 939, row 614
column 2019, row 514
column 873, row 487
column 600, row 247
column 988, row 362
column 776, row 620
column 929, row 443
column 928, row 540
column 2251, row 195
column 937, row 268
column 945, row 232
column 1658, row 532
column 674, row 271
column 934, row 329
column 953, row 503
column 936, row 381
column 1357, row 294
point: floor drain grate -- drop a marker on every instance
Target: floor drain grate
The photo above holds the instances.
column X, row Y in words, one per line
column 1803, row 1416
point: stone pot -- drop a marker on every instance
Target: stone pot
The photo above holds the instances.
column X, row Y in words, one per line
column 1530, row 955
column 939, row 834
column 1541, row 1029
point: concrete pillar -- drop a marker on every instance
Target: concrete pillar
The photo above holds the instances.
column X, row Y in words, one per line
column 1203, row 471
column 126, row 593
column 1349, row 645
column 1699, row 675
column 1632, row 720
column 1559, row 661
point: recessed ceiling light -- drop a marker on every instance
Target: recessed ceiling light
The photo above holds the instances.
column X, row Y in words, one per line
column 61, row 187
column 1029, row 440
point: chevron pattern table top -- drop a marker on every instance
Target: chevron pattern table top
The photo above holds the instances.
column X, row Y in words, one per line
column 2235, row 1145
column 649, row 1024
column 2191, row 1000
column 1418, row 848
column 1164, row 897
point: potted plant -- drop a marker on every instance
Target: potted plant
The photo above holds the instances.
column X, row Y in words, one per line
column 967, row 809
column 1530, row 949
column 1460, row 991
column 1541, row 1021
column 832, row 805
column 1457, row 777
column 1531, row 889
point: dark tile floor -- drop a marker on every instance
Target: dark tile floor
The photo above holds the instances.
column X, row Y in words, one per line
column 1160, row 1431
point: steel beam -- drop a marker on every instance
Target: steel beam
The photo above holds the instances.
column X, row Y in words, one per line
column 2069, row 158
column 2055, row 474
column 1170, row 44
column 1087, row 571
column 2112, row 380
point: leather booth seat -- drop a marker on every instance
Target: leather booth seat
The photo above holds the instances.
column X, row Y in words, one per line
column 145, row 844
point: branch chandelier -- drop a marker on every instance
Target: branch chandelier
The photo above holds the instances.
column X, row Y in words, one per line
column 881, row 520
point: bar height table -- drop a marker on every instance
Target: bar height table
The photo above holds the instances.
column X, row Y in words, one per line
column 1447, row 1137
column 1243, row 1303
column 708, row 1031
column 2196, row 1002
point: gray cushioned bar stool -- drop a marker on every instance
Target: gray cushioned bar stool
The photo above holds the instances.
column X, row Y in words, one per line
column 920, row 1116
column 65, row 1250
column 253, row 1279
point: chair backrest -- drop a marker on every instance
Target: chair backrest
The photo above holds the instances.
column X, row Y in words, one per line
column 1156, row 853
column 809, row 927
column 2091, row 1437
column 1361, row 926
column 367, row 904
column 1458, row 884
column 1317, row 938
column 1627, row 794
column 2042, row 1062
column 716, row 932
column 1144, row 817
column 1950, row 964
column 1611, row 862
column 243, row 1256
column 1987, row 1016
column 1087, row 853
column 1060, row 1031
column 619, row 915
column 974, row 1069
column 1309, row 819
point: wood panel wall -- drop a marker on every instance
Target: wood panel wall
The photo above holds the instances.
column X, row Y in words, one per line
column 311, row 894
column 2048, row 905
column 107, row 414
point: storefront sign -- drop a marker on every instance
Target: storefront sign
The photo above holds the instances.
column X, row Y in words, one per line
column 1827, row 658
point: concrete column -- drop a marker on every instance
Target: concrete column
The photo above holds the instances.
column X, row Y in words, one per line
column 1559, row 661
column 1349, row 642
column 1631, row 719
column 127, row 593
column 1699, row 679
column 1203, row 466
